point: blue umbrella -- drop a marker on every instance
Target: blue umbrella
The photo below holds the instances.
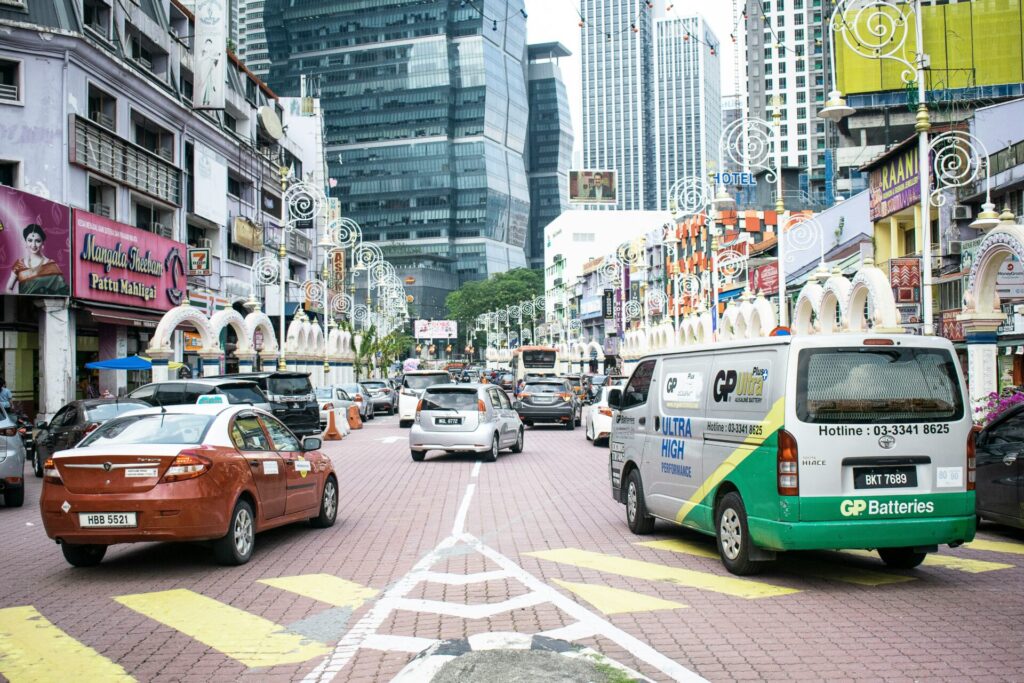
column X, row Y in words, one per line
column 128, row 363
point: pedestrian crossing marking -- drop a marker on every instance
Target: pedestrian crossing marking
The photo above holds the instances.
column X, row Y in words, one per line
column 324, row 588
column 247, row 638
column 803, row 566
column 616, row 600
column 637, row 569
column 964, row 564
column 996, row 546
column 33, row 649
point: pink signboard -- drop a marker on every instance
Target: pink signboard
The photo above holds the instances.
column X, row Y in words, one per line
column 35, row 244
column 119, row 264
column 765, row 279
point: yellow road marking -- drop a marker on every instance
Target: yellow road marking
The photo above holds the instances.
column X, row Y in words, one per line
column 616, row 600
column 33, row 649
column 996, row 546
column 252, row 640
column 325, row 588
column 729, row 585
column 964, row 564
column 802, row 565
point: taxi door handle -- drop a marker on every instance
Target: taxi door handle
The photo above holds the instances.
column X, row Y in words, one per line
column 254, row 463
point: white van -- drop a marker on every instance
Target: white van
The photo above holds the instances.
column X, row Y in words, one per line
column 799, row 443
column 413, row 384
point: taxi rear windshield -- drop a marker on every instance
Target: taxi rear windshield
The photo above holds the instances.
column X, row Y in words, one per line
column 877, row 385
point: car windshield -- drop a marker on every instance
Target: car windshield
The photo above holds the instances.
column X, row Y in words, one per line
column 105, row 411
column 324, row 393
column 375, row 385
column 419, row 382
column 450, row 399
column 598, row 380
column 242, row 393
column 154, row 428
column 289, row 386
column 352, row 389
column 544, row 388
column 877, row 384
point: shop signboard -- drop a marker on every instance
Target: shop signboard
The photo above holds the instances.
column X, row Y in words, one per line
column 1009, row 281
column 894, row 184
column 765, row 279
column 193, row 342
column 905, row 279
column 247, row 234
column 119, row 264
column 35, row 244
column 608, row 304
column 436, row 329
column 200, row 263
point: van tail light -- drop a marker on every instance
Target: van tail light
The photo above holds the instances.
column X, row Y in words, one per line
column 607, row 412
column 789, row 476
column 50, row 472
column 89, row 428
column 971, row 458
column 188, row 465
column 481, row 408
column 419, row 408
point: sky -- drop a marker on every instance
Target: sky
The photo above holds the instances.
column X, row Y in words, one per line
column 558, row 20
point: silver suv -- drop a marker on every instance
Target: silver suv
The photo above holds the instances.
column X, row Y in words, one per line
column 465, row 418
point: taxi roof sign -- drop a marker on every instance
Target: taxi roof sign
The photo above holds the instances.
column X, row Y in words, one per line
column 212, row 399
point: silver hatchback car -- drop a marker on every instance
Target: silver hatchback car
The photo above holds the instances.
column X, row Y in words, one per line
column 465, row 418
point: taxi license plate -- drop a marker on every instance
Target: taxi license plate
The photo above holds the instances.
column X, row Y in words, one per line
column 106, row 520
column 448, row 420
column 884, row 477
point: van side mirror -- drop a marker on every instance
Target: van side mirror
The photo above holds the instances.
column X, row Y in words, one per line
column 615, row 398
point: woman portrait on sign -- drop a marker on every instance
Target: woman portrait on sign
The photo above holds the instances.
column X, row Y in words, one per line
column 36, row 273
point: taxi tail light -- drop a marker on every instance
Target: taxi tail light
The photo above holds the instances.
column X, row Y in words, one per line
column 187, row 465
column 50, row 472
column 9, row 431
column 971, row 461
column 481, row 408
column 789, row 477
column 607, row 412
column 419, row 408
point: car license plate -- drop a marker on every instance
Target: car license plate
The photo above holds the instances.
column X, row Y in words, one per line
column 447, row 420
column 106, row 520
column 884, row 477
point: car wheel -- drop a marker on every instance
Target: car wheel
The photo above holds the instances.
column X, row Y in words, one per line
column 237, row 544
column 492, row 455
column 328, row 505
column 517, row 447
column 404, row 423
column 570, row 424
column 37, row 463
column 901, row 558
column 418, row 456
column 83, row 555
column 590, row 426
column 14, row 498
column 639, row 521
column 579, row 418
column 733, row 536
column 528, row 423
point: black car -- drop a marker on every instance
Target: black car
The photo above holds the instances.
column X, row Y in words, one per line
column 291, row 398
column 73, row 422
column 999, row 474
column 549, row 400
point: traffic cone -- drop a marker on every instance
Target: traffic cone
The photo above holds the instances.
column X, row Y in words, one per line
column 354, row 421
column 332, row 433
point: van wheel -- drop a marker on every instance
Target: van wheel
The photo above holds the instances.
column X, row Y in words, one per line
column 418, row 456
column 237, row 544
column 517, row 447
column 734, row 537
column 83, row 555
column 901, row 558
column 639, row 521
column 328, row 505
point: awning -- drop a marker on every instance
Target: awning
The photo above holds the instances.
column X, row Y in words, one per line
column 127, row 363
column 124, row 316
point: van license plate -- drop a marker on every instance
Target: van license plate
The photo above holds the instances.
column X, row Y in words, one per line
column 884, row 477
column 448, row 420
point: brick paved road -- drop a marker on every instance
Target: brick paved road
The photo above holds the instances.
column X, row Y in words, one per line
column 448, row 549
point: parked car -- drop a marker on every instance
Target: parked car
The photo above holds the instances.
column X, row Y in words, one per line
column 465, row 418
column 600, row 416
column 185, row 392
column 548, row 400
column 185, row 473
column 580, row 385
column 291, row 398
column 336, row 399
column 361, row 395
column 999, row 477
column 12, row 462
column 507, row 381
column 597, row 382
column 73, row 422
column 413, row 385
column 382, row 395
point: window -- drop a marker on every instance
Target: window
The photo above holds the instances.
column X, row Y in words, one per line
column 240, row 254
column 102, row 108
column 247, row 434
column 10, row 81
column 102, row 198
column 151, row 136
column 9, row 173
column 639, row 385
column 153, row 218
column 171, row 394
column 281, row 437
column 96, row 17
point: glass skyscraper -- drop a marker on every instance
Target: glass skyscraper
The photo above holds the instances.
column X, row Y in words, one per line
column 549, row 150
column 425, row 108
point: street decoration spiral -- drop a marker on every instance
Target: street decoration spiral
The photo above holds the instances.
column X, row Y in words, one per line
column 633, row 310
column 957, row 159
column 313, row 290
column 368, row 254
column 748, row 143
column 502, row 315
column 514, row 311
column 538, row 303
column 610, row 270
column 344, row 232
column 575, row 327
column 690, row 195
column 379, row 270
column 801, row 231
column 360, row 313
column 527, row 337
column 527, row 308
column 876, row 29
column 304, row 201
column 341, row 304
column 688, row 284
column 656, row 301
column 265, row 270
column 732, row 264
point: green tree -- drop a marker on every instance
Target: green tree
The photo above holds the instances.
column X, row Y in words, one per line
column 501, row 290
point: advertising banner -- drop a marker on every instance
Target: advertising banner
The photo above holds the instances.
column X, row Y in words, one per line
column 210, row 176
column 765, row 279
column 35, row 244
column 436, row 329
column 894, row 185
column 905, row 278
column 211, row 54
column 608, row 304
column 592, row 187
column 120, row 264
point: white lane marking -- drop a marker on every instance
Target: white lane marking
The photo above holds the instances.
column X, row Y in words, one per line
column 423, row 669
column 463, row 579
column 391, row 439
column 478, row 611
column 574, row 631
column 476, row 469
column 500, row 641
column 460, row 516
column 383, row 641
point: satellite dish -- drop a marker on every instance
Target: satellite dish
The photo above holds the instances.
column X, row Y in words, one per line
column 270, row 122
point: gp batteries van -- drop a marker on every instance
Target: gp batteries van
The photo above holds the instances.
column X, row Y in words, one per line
column 799, row 443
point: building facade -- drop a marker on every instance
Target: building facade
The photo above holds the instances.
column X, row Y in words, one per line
column 549, row 145
column 425, row 108
column 251, row 37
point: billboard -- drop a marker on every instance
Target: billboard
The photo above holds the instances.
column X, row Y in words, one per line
column 765, row 279
column 593, row 187
column 211, row 59
column 436, row 329
column 118, row 264
column 210, row 174
column 894, row 185
column 35, row 244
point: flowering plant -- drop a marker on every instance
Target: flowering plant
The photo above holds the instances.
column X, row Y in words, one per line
column 994, row 405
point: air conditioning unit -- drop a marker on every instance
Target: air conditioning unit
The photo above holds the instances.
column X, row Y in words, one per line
column 961, row 213
column 163, row 230
column 206, row 243
column 101, row 210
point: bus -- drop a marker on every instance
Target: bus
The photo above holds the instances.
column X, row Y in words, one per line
column 534, row 360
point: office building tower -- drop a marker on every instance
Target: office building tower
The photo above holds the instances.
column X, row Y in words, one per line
column 688, row 102
column 732, row 110
column 252, row 39
column 425, row 110
column 549, row 145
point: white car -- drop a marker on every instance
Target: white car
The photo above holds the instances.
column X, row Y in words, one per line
column 338, row 400
column 413, row 384
column 599, row 417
